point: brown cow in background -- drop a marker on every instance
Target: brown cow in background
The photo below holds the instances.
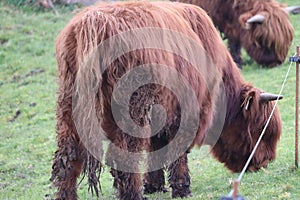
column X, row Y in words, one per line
column 261, row 27
column 245, row 116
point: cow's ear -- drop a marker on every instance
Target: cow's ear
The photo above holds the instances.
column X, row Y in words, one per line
column 248, row 100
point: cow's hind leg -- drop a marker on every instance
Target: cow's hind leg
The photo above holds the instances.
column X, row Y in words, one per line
column 71, row 157
column 68, row 159
column 179, row 177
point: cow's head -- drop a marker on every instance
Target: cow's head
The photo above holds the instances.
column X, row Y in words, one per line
column 268, row 33
column 243, row 126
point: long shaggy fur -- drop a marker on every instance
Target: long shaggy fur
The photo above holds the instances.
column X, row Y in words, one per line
column 266, row 43
column 94, row 25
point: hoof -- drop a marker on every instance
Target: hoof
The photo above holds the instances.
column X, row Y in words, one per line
column 150, row 189
column 181, row 192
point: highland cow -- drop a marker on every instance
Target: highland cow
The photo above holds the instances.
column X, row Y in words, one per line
column 96, row 58
column 261, row 27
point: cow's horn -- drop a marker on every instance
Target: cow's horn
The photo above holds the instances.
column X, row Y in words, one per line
column 258, row 18
column 293, row 9
column 264, row 97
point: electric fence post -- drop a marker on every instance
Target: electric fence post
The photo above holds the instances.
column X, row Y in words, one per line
column 297, row 60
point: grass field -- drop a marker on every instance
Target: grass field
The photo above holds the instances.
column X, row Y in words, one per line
column 27, row 118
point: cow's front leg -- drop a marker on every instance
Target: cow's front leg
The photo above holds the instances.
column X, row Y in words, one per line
column 235, row 51
column 154, row 181
column 179, row 177
column 124, row 168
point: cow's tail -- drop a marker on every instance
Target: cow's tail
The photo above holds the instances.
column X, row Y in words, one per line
column 88, row 102
column 92, row 168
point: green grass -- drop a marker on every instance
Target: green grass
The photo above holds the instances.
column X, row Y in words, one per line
column 27, row 118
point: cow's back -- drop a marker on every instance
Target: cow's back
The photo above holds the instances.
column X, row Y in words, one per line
column 96, row 25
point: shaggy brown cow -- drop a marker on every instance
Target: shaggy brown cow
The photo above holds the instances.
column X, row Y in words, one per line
column 91, row 52
column 262, row 27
